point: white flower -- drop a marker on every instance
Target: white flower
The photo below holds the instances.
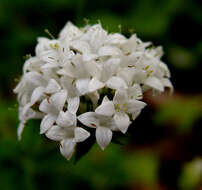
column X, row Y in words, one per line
column 27, row 84
column 67, row 132
column 40, row 92
column 95, row 36
column 52, row 106
column 105, row 76
column 124, row 106
column 70, row 74
column 30, row 114
column 103, row 124
column 69, row 32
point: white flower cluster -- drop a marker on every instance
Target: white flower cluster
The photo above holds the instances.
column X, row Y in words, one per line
column 90, row 78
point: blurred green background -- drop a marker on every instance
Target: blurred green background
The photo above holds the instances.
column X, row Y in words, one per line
column 162, row 151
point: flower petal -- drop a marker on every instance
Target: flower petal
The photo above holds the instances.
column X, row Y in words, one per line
column 68, row 83
column 47, row 122
column 67, row 148
column 110, row 67
column 58, row 99
column 96, row 36
column 95, row 84
column 45, row 106
column 52, row 87
column 35, row 78
column 155, row 83
column 73, row 104
column 69, row 32
column 56, row 133
column 82, row 85
column 66, row 119
column 105, row 99
column 115, row 39
column 135, row 92
column 120, row 97
column 103, row 136
column 94, row 96
column 37, row 94
column 105, row 109
column 134, row 105
column 166, row 82
column 80, row 46
column 93, row 68
column 89, row 57
column 80, row 134
column 122, row 121
column 135, row 114
column 109, row 51
column 20, row 129
column 89, row 119
column 116, row 83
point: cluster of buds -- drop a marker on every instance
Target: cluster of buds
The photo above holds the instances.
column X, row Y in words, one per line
column 88, row 78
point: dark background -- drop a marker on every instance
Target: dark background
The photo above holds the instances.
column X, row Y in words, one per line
column 162, row 151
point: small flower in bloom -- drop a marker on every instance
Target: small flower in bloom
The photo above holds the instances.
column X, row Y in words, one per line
column 63, row 85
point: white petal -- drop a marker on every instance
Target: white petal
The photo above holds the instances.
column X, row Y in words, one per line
column 95, row 84
column 96, row 35
column 94, row 96
column 35, row 78
column 20, row 129
column 164, row 69
column 56, row 133
column 68, row 83
column 89, row 119
column 127, row 74
column 82, row 85
column 46, row 107
column 81, row 46
column 93, row 68
column 38, row 115
column 26, row 109
column 134, row 105
column 73, row 104
column 155, row 83
column 105, row 99
column 110, row 67
column 105, row 109
column 107, row 122
column 108, row 51
column 122, row 121
column 166, row 82
column 28, row 113
column 81, row 134
column 58, row 99
column 67, row 148
column 135, row 92
column 52, row 87
column 19, row 86
column 69, row 32
column 120, row 97
column 116, row 83
column 139, row 76
column 66, row 119
column 48, row 65
column 37, row 94
column 135, row 114
column 88, row 57
column 46, row 123
column 116, row 39
column 33, row 63
column 103, row 136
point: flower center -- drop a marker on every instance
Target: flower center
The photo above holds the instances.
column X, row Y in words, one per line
column 121, row 107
